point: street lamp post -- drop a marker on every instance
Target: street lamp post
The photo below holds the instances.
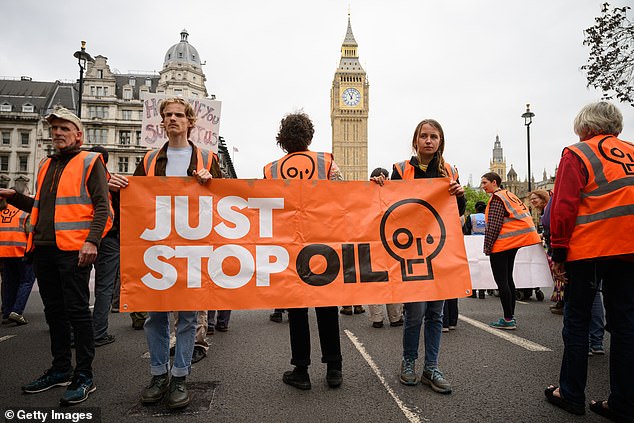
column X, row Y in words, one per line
column 82, row 58
column 528, row 119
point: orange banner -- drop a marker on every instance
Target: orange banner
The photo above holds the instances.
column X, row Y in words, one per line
column 249, row 244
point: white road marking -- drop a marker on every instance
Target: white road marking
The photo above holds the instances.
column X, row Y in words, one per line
column 6, row 337
column 524, row 343
column 521, row 302
column 409, row 414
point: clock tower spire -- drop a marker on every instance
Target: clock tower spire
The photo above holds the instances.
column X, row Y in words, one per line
column 349, row 106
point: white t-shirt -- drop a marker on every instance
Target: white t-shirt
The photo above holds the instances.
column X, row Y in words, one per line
column 178, row 160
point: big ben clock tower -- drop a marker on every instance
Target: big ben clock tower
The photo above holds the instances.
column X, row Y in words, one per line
column 349, row 105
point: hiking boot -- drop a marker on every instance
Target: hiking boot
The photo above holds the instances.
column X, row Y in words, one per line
column 504, row 324
column 347, row 310
column 50, row 379
column 408, row 372
column 276, row 317
column 108, row 339
column 154, row 392
column 300, row 380
column 434, row 378
column 17, row 318
column 334, row 378
column 178, row 396
column 358, row 309
column 78, row 390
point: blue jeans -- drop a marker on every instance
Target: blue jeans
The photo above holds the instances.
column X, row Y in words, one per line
column 618, row 296
column 17, row 282
column 157, row 332
column 414, row 314
column 597, row 325
column 106, row 270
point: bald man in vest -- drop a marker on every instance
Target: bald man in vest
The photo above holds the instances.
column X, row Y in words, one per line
column 70, row 214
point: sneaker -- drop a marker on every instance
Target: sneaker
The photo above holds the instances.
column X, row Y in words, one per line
column 276, row 317
column 358, row 309
column 597, row 350
column 334, row 378
column 154, row 392
column 297, row 379
column 503, row 324
column 445, row 329
column 222, row 328
column 198, row 354
column 399, row 322
column 18, row 318
column 377, row 325
column 108, row 339
column 78, row 390
column 50, row 379
column 178, row 396
column 452, row 327
column 408, row 372
column 434, row 378
column 347, row 310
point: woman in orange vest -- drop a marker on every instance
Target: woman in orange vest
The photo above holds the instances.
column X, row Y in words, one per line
column 294, row 137
column 428, row 144
column 509, row 226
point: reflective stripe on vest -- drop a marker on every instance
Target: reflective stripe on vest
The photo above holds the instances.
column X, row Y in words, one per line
column 202, row 156
column 300, row 165
column 518, row 229
column 13, row 235
column 73, row 205
column 406, row 170
column 606, row 209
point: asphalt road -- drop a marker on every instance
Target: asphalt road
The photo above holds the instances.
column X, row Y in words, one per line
column 494, row 379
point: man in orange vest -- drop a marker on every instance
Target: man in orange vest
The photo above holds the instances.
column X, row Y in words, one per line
column 70, row 214
column 592, row 222
column 17, row 271
column 177, row 157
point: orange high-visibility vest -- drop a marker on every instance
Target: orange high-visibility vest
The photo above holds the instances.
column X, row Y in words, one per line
column 518, row 229
column 73, row 206
column 605, row 219
column 204, row 159
column 406, row 170
column 13, row 232
column 300, row 165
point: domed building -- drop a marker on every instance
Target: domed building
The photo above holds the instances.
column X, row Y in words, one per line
column 182, row 73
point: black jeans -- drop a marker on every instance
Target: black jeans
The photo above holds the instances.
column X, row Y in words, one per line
column 65, row 294
column 502, row 267
column 328, row 326
column 450, row 313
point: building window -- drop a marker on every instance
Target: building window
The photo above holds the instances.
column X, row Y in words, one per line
column 23, row 163
column 28, row 108
column 138, row 137
column 6, row 138
column 98, row 112
column 132, row 82
column 4, row 163
column 180, row 55
column 124, row 137
column 97, row 136
column 178, row 91
column 100, row 73
column 25, row 138
column 148, row 82
column 123, row 165
column 5, row 107
column 126, row 114
column 127, row 94
column 137, row 160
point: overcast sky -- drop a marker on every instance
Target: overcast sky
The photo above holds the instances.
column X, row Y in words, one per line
column 472, row 65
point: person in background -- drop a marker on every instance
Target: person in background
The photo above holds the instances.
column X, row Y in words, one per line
column 428, row 144
column 70, row 214
column 509, row 226
column 591, row 223
column 221, row 318
column 277, row 314
column 177, row 157
column 295, row 136
column 394, row 311
column 17, row 270
column 475, row 225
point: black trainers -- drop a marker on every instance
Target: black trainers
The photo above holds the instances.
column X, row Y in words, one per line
column 154, row 392
column 334, row 378
column 108, row 339
column 50, row 379
column 18, row 318
column 296, row 379
column 178, row 396
column 358, row 309
column 78, row 391
column 347, row 310
column 198, row 354
column 399, row 322
column 276, row 317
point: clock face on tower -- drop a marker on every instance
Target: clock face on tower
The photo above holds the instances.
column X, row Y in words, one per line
column 351, row 97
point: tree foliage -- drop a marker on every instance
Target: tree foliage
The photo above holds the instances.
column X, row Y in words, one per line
column 610, row 66
column 473, row 195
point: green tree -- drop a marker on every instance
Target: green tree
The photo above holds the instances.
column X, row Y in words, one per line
column 473, row 195
column 610, row 66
